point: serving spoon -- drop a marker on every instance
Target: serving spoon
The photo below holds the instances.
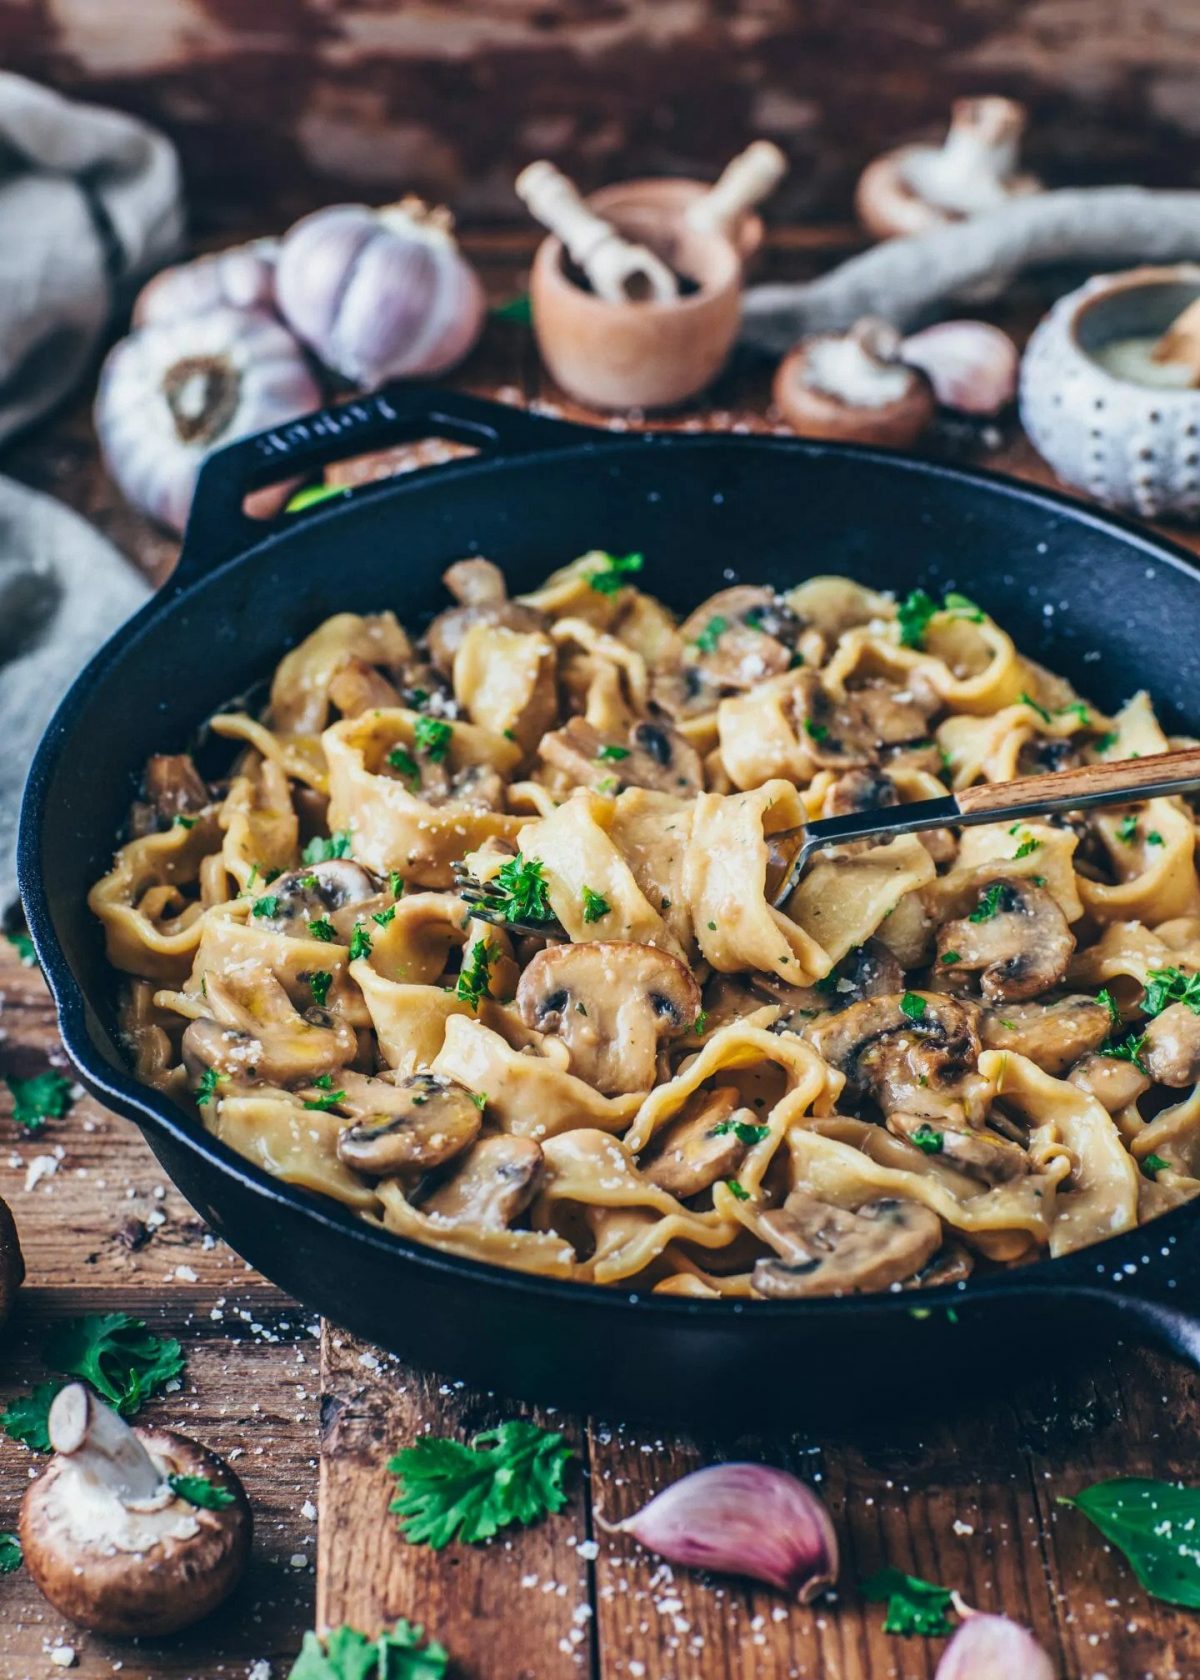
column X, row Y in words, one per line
column 989, row 802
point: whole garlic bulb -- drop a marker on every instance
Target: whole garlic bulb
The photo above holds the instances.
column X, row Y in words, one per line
column 170, row 393
column 379, row 294
column 242, row 278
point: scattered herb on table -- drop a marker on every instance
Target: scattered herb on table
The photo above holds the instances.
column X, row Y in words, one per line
column 1157, row 1527
column 200, row 1492
column 124, row 1361
column 25, row 1418
column 615, row 572
column 475, row 974
column 346, row 1654
column 913, row 1606
column 11, row 1556
column 45, row 1096
column 595, row 905
column 323, row 848
column 23, row 946
column 510, row 1474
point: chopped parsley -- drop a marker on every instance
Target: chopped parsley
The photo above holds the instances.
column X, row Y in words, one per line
column 1105, row 997
column 913, row 1005
column 612, row 755
column 327, row 1099
column 595, row 905
column 926, row 1138
column 962, row 607
column 11, row 1556
column 360, row 940
column 268, row 906
column 737, row 1190
column 383, row 917
column 180, row 821
column 199, row 1491
column 815, row 731
column 45, row 1096
column 949, row 957
column 615, row 572
column 517, row 892
column 1026, row 849
column 991, row 902
column 609, row 785
column 1127, row 829
column 475, row 973
column 913, row 1606
column 23, row 946
column 708, row 638
column 701, row 1024
column 449, row 1490
column 395, row 883
column 1165, row 986
column 322, row 929
column 743, row 1130
column 1035, row 706
column 1154, row 838
column 1127, row 1050
column 1078, row 710
column 324, row 849
column 319, row 984
column 918, row 607
column 432, row 738
column 479, row 1098
column 1153, row 1165
column 206, row 1087
column 401, row 760
column 1107, row 742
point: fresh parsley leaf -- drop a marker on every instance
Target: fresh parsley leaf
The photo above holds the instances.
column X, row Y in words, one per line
column 1105, row 997
column 615, row 572
column 1078, row 710
column 1153, row 1165
column 815, row 731
column 608, row 786
column 479, row 1098
column 708, row 638
column 475, row 973
column 518, row 891
column 384, row 917
column 267, row 906
column 360, row 941
column 11, row 1556
column 950, row 957
column 124, row 1361
column 1027, row 847
column 913, row 1005
column 321, row 849
column 322, row 929
column 1127, row 829
column 202, row 1493
column 518, row 309
column 346, row 1654
column 926, row 1137
column 329, row 1100
column 1107, row 742
column 206, row 1085
column 913, row 1606
column 1156, row 1525
column 612, row 755
column 1165, row 986
column 1126, row 1050
column 510, row 1474
column 432, row 737
column 991, row 902
column 45, row 1096
column 23, row 946
column 913, row 616
column 961, row 607
column 742, row 1130
column 395, row 883
column 737, row 1190
column 595, row 905
column 1036, row 706
column 319, row 982
column 401, row 760
column 180, row 821
column 1154, row 838
column 701, row 1024
column 27, row 1417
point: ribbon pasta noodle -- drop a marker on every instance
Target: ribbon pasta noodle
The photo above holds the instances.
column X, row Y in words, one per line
column 945, row 1053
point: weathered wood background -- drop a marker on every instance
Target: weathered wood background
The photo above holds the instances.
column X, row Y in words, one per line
column 293, row 103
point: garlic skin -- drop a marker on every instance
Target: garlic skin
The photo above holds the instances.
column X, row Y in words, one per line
column 971, row 365
column 742, row 1519
column 379, row 294
column 993, row 1648
column 168, row 394
column 241, row 278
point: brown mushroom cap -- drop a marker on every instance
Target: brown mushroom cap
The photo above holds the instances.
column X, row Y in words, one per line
column 701, row 1146
column 130, row 1567
column 976, row 1150
column 479, row 588
column 1054, row 1035
column 820, row 397
column 611, row 1003
column 1019, row 948
column 404, row 1125
column 315, row 892
column 1114, row 1083
column 739, row 636
column 825, row 1250
column 914, row 1063
column 491, row 1185
column 655, row 756
column 1170, row 1051
column 12, row 1261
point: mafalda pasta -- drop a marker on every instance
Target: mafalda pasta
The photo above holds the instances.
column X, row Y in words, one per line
column 945, row 1053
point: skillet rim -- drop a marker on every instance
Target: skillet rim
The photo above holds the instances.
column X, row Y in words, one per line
column 152, row 1111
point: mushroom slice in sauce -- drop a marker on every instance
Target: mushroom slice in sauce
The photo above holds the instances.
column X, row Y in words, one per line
column 319, row 892
column 611, row 1004
column 741, row 635
column 404, row 1125
column 1114, row 1082
column 918, row 1060
column 1054, row 1035
column 701, row 1146
column 359, row 687
column 826, row 1250
column 492, row 1185
column 479, row 588
column 656, row 757
column 173, row 787
column 860, row 790
column 1170, row 1051
column 262, row 1036
column 976, row 1150
column 1017, row 940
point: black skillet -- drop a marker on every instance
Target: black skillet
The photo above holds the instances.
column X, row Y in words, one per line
column 1108, row 605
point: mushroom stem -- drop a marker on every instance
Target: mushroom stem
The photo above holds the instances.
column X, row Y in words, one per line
column 861, row 367
column 101, row 1446
column 978, row 158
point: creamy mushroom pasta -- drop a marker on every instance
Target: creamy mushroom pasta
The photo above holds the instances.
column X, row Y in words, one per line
column 949, row 1051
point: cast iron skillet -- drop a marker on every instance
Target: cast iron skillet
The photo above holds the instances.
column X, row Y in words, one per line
column 1111, row 607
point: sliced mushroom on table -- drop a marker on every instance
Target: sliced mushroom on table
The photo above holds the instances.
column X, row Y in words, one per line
column 701, row 1146
column 1170, row 1051
column 1054, row 1035
column 12, row 1261
column 915, row 1060
column 1016, row 939
column 826, row 1250
column 482, row 595
column 611, row 1003
column 403, row 1125
column 490, row 1187
column 111, row 1540
column 653, row 755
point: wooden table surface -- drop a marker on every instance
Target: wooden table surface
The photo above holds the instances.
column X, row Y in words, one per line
column 310, row 1416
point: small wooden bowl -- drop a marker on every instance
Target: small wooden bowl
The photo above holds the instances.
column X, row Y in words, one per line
column 660, row 199
column 642, row 355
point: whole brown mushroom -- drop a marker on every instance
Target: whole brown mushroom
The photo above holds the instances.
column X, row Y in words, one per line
column 109, row 1534
column 854, row 388
column 12, row 1261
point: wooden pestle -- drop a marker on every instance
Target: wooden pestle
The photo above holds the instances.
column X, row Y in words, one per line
column 743, row 183
column 618, row 271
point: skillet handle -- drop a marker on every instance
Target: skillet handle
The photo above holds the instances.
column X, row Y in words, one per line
column 218, row 528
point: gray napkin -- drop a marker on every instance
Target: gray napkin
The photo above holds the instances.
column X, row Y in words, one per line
column 89, row 204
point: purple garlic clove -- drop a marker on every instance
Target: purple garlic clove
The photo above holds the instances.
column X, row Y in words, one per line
column 742, row 1519
column 993, row 1648
column 971, row 365
column 241, row 278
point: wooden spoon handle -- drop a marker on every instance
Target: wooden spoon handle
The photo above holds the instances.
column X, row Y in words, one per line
column 1092, row 784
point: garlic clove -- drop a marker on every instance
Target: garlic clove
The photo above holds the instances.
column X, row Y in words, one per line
column 240, row 278
column 971, row 365
column 380, row 294
column 993, row 1648
column 170, row 393
column 742, row 1519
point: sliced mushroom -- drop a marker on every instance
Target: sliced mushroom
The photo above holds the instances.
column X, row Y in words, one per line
column 915, row 1053
column 826, row 1250
column 1054, row 1035
column 262, row 1036
column 976, row 1150
column 110, row 1536
column 740, row 635
column 439, row 782
column 656, row 757
column 479, row 588
column 857, row 729
column 869, row 971
column 611, row 1004
column 1016, row 938
column 319, row 892
column 404, row 1125
column 951, row 1264
column 859, row 790
column 12, row 1262
column 492, row 1185
column 173, row 787
column 703, row 1145
column 1115, row 1083
column 1170, row 1051
column 359, row 687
